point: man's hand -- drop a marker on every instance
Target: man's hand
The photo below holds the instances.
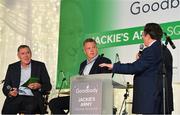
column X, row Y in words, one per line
column 13, row 92
column 137, row 56
column 34, row 86
column 110, row 66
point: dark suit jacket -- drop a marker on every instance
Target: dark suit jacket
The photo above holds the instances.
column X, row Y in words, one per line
column 96, row 68
column 146, row 89
column 12, row 79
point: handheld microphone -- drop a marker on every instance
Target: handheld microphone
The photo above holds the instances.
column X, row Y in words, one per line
column 9, row 88
column 141, row 47
column 168, row 39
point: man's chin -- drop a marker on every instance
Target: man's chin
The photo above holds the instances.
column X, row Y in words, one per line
column 26, row 62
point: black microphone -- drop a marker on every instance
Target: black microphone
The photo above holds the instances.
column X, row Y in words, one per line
column 117, row 60
column 117, row 57
column 141, row 47
column 168, row 39
column 64, row 79
column 101, row 55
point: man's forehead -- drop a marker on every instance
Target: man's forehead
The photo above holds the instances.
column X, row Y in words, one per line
column 24, row 50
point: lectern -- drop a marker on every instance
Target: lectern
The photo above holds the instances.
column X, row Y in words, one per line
column 91, row 94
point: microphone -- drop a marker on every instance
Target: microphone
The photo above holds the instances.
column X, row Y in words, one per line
column 168, row 39
column 141, row 47
column 64, row 78
column 117, row 60
column 101, row 55
column 9, row 88
column 117, row 57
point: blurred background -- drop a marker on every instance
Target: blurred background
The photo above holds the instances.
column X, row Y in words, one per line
column 31, row 22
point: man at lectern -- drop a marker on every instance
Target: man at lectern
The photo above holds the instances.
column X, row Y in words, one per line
column 89, row 66
column 25, row 84
column 147, row 90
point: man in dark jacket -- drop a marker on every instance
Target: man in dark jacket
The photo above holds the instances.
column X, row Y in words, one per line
column 147, row 97
column 89, row 66
column 25, row 83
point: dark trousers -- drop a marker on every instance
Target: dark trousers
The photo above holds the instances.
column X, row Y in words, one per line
column 20, row 104
column 59, row 104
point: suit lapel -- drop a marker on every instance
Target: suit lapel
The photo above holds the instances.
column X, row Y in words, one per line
column 17, row 73
column 82, row 67
column 33, row 68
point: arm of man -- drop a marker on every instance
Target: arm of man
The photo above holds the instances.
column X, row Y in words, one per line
column 139, row 65
column 8, row 90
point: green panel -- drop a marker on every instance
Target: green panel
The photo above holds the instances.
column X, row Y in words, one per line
column 80, row 19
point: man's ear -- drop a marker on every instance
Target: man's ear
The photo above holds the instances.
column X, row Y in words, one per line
column 84, row 51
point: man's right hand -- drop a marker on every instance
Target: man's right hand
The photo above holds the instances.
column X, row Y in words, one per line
column 137, row 56
column 13, row 92
column 110, row 66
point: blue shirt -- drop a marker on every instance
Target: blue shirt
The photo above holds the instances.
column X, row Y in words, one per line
column 25, row 75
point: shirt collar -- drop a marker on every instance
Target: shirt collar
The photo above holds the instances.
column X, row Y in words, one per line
column 29, row 66
column 92, row 60
column 152, row 43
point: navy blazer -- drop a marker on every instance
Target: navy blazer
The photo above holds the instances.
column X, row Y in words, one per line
column 96, row 68
column 146, row 79
column 12, row 79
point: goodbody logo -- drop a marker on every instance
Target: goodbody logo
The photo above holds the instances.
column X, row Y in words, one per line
column 87, row 89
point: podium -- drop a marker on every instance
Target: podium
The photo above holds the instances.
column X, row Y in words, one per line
column 91, row 94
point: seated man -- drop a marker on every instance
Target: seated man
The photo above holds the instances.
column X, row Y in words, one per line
column 89, row 66
column 25, row 83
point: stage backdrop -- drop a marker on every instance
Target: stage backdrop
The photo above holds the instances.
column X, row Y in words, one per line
column 116, row 25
